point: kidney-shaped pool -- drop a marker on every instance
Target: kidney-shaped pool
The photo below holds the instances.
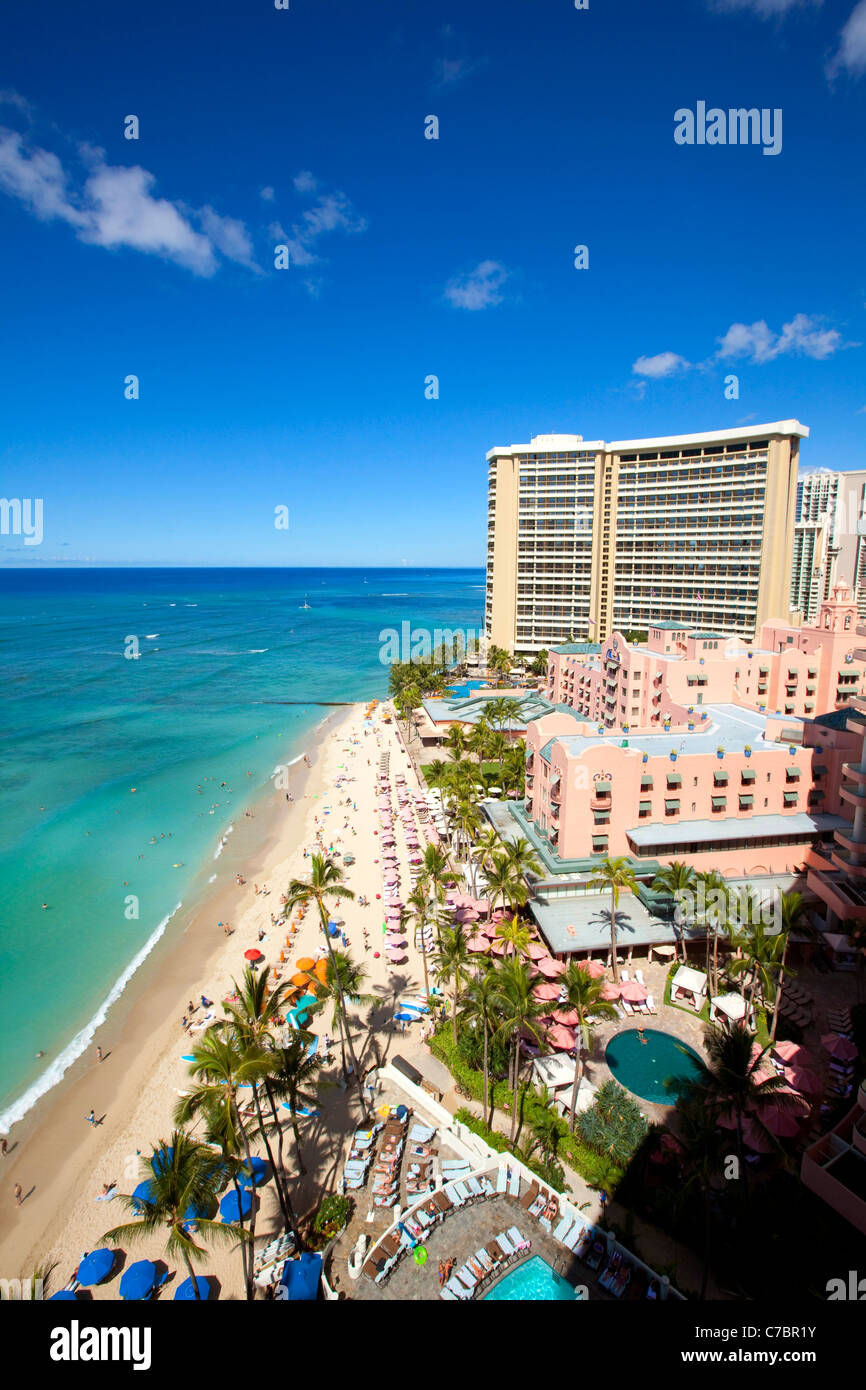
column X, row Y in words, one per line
column 643, row 1067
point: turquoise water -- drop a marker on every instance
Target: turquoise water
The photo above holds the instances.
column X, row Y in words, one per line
column 534, row 1281
column 466, row 688
column 644, row 1068
column 223, row 691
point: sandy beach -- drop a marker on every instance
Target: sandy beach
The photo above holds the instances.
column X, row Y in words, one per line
column 62, row 1162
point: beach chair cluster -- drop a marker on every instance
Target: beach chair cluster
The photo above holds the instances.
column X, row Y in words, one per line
column 796, row 1004
column 460, row 1186
column 357, row 1165
column 386, row 1172
column 420, row 1163
column 411, row 1231
column 541, row 1204
column 268, row 1263
column 485, row 1265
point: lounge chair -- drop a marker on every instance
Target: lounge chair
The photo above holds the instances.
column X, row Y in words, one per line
column 448, row 1295
column 574, row 1236
column 517, row 1239
column 507, row 1248
column 474, row 1187
column 623, row 975
column 531, row 1196
column 456, row 1198
column 563, row 1228
column 638, row 974
column 501, row 1179
column 626, row 1007
column 421, row 1134
column 651, row 1005
column 442, row 1201
column 463, row 1190
column 514, row 1184
column 457, row 1290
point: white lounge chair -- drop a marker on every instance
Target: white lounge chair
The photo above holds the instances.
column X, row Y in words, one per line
column 448, row 1295
column 563, row 1228
column 455, row 1197
column 505, row 1245
column 638, row 974
column 514, row 1184
column 457, row 1289
column 651, row 1005
column 501, row 1179
column 474, row 1187
column 465, row 1275
column 574, row 1235
column 626, row 1007
column 516, row 1238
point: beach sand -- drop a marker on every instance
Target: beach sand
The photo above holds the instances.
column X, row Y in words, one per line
column 62, row 1162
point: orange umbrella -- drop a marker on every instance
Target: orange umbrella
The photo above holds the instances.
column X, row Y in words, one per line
column 322, row 970
column 306, row 963
column 300, row 981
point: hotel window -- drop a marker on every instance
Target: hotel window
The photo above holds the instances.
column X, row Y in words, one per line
column 746, row 801
column 791, row 798
column 674, row 779
column 672, row 806
column 599, row 844
column 720, row 803
column 646, row 783
column 792, row 774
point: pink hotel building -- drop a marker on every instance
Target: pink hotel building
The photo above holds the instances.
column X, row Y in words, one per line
column 733, row 756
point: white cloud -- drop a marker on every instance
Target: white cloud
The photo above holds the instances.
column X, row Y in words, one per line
column 851, row 53
column 305, row 182
column 266, row 193
column 764, row 9
column 803, row 336
column 663, row 364
column 480, row 289
column 115, row 206
column 331, row 212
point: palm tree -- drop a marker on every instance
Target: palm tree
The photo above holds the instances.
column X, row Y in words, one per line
column 515, row 934
column 520, row 1010
column 324, row 883
column 222, row 1065
column 436, row 774
column 514, row 770
column 715, row 918
column 676, row 879
column 521, row 856
column 293, row 1079
column 583, row 993
column 183, row 1175
column 344, row 979
column 455, row 741
column 506, row 882
column 419, row 905
column 761, row 956
column 481, row 1003
column 252, row 1019
column 453, row 962
column 467, row 822
column 545, row 1129
column 477, row 743
column 614, row 874
column 733, row 1080
column 793, row 917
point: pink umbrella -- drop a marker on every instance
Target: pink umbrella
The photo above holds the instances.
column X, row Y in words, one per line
column 545, row 992
column 633, row 991
column 610, row 990
column 784, row 1123
column 802, row 1079
column 755, row 1139
column 837, row 1046
column 793, row 1052
column 570, row 1017
column 549, row 967
column 478, row 943
column 465, row 914
column 561, row 1038
column 500, row 948
column 593, row 968
column 536, row 951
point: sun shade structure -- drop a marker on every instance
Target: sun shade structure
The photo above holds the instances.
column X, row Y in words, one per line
column 186, row 1292
column 138, row 1280
column 300, row 1278
column 96, row 1267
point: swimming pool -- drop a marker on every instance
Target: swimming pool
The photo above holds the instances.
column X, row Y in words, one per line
column 533, row 1281
column 458, row 692
column 643, row 1068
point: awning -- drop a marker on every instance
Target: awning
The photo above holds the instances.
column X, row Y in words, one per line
column 746, row 800
column 790, row 798
column 646, row 783
column 792, row 774
column 671, row 804
column 603, row 785
column 674, row 779
column 603, row 819
column 599, row 842
column 719, row 803
column 748, row 774
column 645, row 805
column 720, row 779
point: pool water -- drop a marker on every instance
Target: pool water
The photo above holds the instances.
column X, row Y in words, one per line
column 534, row 1281
column 458, row 692
column 643, row 1068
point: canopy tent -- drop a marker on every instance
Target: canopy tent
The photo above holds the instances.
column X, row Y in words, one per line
column 733, row 1006
column 554, row 1072
column 300, row 1278
column 689, row 981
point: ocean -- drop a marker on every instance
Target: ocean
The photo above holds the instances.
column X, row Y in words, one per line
column 120, row 775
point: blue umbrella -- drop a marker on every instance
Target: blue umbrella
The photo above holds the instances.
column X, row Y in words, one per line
column 63, row 1296
column 405, row 1018
column 143, row 1193
column 96, row 1266
column 229, row 1205
column 162, row 1159
column 306, row 1001
column 259, row 1171
column 186, row 1293
column 194, row 1213
column 138, row 1280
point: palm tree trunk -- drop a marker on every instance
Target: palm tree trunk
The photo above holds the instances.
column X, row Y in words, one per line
column 578, row 1075
column 339, row 988
column 514, row 1050
column 424, row 961
column 614, row 966
column 779, row 991
column 454, row 1008
column 487, row 1120
column 277, row 1175
column 241, row 1129
column 191, row 1272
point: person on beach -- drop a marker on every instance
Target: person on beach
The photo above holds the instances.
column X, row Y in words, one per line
column 4, row 1147
column 17, row 1194
column 99, row 1054
column 91, row 1118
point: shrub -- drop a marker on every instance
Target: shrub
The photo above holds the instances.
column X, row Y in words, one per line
column 334, row 1213
column 614, row 1127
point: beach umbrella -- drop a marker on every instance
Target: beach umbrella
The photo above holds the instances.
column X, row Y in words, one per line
column 793, row 1052
column 229, row 1210
column 837, row 1046
column 143, row 1193
column 546, row 992
column 257, row 1175
column 593, row 968
column 138, row 1280
column 549, row 967
column 561, row 1038
column 299, row 980
column 536, row 951
column 610, row 991
column 306, row 1001
column 784, row 1123
column 194, row 1213
column 500, row 948
column 570, row 1017
column 803, row 1079
column 186, row 1294
column 63, row 1296
column 405, row 1017
column 478, row 943
column 162, row 1159
column 253, row 954
column 305, row 963
column 96, row 1267
column 633, row 991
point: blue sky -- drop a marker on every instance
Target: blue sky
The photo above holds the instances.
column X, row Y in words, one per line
column 305, row 387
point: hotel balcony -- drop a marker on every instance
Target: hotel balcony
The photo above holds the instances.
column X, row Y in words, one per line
column 856, row 771
column 843, row 859
column 849, row 840
column 844, row 898
column 854, row 795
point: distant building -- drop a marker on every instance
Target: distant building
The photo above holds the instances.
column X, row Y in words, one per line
column 829, row 539
column 587, row 537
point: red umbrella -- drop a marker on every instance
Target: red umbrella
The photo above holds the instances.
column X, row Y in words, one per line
column 545, row 992
column 633, row 991
column 802, row 1079
column 610, row 990
column 837, row 1046
column 536, row 951
column 570, row 1017
column 784, row 1122
column 253, row 954
column 793, row 1052
column 593, row 968
column 561, row 1038
column 478, row 943
column 549, row 967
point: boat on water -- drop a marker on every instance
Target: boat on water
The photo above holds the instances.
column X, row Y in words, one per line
column 304, row 604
